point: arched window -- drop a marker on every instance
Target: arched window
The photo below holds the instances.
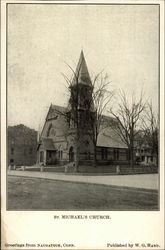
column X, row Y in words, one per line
column 71, row 154
column 104, row 153
column 60, row 152
column 116, row 154
column 87, row 153
column 11, row 160
column 12, row 150
column 49, row 128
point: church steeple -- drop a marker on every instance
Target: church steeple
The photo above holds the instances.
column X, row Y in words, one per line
column 81, row 87
column 81, row 74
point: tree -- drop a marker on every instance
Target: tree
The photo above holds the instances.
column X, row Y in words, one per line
column 150, row 128
column 101, row 97
column 127, row 117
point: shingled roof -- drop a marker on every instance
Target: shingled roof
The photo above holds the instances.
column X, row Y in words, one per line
column 54, row 110
column 47, row 143
column 107, row 137
column 81, row 73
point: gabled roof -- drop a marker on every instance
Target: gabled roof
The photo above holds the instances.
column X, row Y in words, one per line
column 107, row 136
column 55, row 110
column 58, row 108
column 81, row 73
column 47, row 143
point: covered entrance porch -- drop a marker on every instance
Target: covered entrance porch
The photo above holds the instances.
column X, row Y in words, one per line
column 46, row 152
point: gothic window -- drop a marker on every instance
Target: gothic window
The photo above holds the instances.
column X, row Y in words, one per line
column 116, row 154
column 60, row 153
column 49, row 128
column 128, row 154
column 52, row 132
column 71, row 154
column 104, row 153
column 41, row 156
column 11, row 160
column 12, row 150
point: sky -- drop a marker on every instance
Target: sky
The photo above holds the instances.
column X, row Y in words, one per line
column 122, row 40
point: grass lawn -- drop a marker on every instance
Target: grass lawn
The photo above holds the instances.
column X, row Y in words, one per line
column 40, row 194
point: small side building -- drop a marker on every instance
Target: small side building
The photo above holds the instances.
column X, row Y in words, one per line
column 144, row 155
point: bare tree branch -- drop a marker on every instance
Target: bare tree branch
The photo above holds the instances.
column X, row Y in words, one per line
column 127, row 117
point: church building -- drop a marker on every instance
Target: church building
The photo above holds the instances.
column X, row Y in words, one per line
column 67, row 135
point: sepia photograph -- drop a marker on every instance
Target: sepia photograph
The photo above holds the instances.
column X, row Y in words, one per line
column 83, row 107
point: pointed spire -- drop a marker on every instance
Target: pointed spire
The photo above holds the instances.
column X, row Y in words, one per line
column 81, row 72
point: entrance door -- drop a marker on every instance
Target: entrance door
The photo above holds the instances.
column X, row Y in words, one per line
column 50, row 157
column 71, row 154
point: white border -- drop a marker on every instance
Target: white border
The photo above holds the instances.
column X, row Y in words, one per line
column 40, row 227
